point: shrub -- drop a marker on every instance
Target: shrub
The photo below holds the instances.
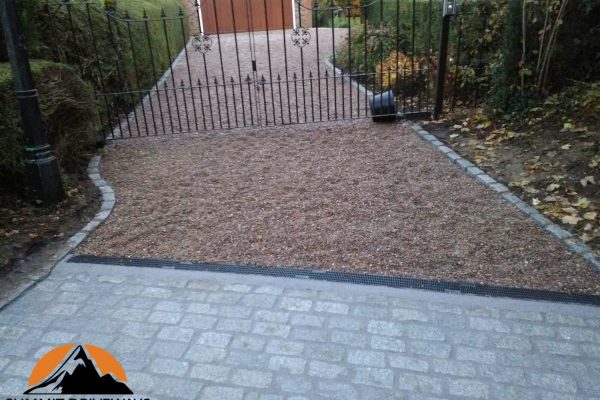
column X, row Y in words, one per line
column 69, row 115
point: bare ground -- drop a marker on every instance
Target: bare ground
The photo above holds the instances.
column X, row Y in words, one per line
column 348, row 196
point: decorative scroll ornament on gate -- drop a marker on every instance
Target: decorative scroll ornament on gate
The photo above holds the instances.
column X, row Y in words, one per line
column 202, row 43
column 301, row 37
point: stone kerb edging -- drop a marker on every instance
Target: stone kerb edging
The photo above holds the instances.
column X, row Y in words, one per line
column 572, row 243
column 108, row 203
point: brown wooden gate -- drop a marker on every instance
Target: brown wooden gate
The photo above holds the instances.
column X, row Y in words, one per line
column 223, row 16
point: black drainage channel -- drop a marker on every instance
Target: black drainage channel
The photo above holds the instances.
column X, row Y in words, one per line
column 348, row 277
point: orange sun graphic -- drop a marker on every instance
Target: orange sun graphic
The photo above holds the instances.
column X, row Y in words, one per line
column 105, row 362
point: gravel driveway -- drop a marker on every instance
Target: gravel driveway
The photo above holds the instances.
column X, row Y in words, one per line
column 212, row 94
column 350, row 196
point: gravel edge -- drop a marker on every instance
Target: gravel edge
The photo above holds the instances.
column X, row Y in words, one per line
column 62, row 251
column 108, row 204
column 568, row 240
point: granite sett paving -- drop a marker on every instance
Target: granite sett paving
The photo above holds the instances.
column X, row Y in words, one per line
column 198, row 335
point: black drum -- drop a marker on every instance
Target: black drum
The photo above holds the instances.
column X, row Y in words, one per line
column 383, row 107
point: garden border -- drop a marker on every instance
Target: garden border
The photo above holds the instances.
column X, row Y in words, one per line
column 57, row 252
column 568, row 240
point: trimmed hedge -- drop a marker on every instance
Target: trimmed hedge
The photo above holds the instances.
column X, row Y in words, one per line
column 69, row 113
column 70, row 110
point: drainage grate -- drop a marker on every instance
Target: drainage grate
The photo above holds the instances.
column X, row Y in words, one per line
column 348, row 277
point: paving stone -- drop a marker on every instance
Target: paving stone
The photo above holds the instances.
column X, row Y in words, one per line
column 385, row 328
column 309, row 334
column 252, row 378
column 468, row 388
column 409, row 315
column 293, row 383
column 488, row 324
column 244, row 359
column 167, row 366
column 295, row 304
column 285, row 347
column 293, row 365
column 331, row 307
column 176, row 334
column 388, row 343
column 455, row 368
column 370, row 311
column 173, row 306
column 252, row 342
column 420, row 383
column 269, row 290
column 344, row 323
column 199, row 322
column 477, row 355
column 511, row 342
column 380, row 377
column 139, row 330
column 234, row 325
column 551, row 381
column 222, row 393
column 168, row 349
column 274, row 316
column 308, row 320
column 203, row 354
column 202, row 308
column 326, row 370
column 271, row 329
column 326, row 352
column 244, row 342
column 259, row 300
column 408, row 363
column 182, row 388
column 214, row 339
column 367, row 358
column 210, row 372
column 164, row 317
column 580, row 334
column 58, row 337
column 237, row 287
column 351, row 339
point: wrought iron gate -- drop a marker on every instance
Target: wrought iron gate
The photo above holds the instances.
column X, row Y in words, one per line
column 159, row 73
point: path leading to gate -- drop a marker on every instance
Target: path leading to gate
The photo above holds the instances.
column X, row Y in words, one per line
column 219, row 88
column 195, row 335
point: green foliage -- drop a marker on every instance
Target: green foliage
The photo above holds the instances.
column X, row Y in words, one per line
column 69, row 114
column 366, row 48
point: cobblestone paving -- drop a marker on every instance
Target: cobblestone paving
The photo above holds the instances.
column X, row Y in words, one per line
column 193, row 335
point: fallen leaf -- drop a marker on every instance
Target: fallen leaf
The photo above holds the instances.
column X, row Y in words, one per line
column 582, row 203
column 552, row 187
column 588, row 180
column 454, row 136
column 590, row 216
column 535, row 202
column 571, row 219
column 567, row 146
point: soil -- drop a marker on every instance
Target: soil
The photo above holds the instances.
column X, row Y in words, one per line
column 26, row 228
column 348, row 196
column 553, row 169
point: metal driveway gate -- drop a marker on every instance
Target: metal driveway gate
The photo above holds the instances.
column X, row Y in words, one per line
column 157, row 72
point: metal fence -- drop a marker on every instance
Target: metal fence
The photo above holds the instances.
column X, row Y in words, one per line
column 154, row 74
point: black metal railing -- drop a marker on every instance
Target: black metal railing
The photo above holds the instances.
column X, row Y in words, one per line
column 155, row 74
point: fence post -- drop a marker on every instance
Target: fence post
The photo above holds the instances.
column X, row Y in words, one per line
column 42, row 167
column 449, row 11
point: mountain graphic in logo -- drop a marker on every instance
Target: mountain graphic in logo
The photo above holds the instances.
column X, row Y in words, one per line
column 77, row 374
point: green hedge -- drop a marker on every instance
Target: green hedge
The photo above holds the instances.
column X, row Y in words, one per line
column 69, row 113
column 74, row 66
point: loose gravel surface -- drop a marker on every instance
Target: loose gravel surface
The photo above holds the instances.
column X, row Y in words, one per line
column 348, row 196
